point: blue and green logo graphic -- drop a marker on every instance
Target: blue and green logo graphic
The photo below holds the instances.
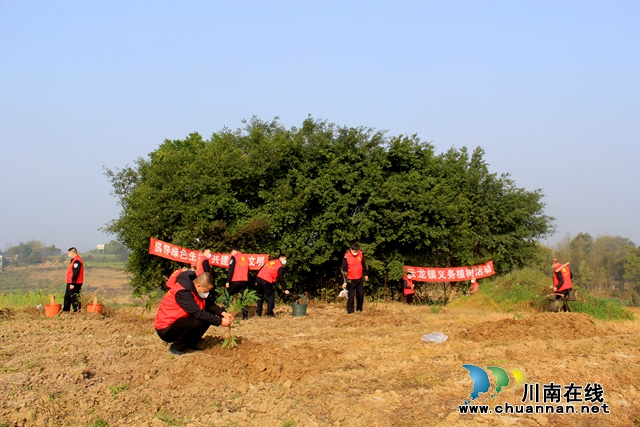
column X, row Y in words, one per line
column 482, row 384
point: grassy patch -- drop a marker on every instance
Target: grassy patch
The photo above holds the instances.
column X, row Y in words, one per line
column 166, row 418
column 29, row 299
column 99, row 422
column 601, row 308
column 526, row 289
column 115, row 389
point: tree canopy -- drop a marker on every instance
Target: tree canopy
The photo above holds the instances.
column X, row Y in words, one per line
column 311, row 191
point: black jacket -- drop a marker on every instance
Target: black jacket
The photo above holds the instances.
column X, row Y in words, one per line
column 212, row 312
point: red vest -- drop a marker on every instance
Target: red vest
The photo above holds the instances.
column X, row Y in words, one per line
column 269, row 271
column 566, row 275
column 199, row 267
column 354, row 265
column 80, row 278
column 172, row 279
column 475, row 287
column 170, row 311
column 241, row 268
column 408, row 291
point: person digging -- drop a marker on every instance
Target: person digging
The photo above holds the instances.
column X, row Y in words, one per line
column 562, row 285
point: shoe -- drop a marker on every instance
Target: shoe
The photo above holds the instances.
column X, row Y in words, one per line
column 271, row 316
column 245, row 318
column 175, row 352
column 196, row 348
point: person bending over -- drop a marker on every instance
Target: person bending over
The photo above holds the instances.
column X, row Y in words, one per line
column 186, row 313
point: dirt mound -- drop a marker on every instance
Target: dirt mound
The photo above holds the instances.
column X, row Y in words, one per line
column 542, row 326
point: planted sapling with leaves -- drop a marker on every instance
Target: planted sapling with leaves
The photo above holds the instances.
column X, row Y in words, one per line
column 234, row 305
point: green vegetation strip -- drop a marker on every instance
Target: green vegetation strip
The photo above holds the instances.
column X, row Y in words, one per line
column 527, row 289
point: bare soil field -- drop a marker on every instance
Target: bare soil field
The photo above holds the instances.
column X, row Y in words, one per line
column 325, row 369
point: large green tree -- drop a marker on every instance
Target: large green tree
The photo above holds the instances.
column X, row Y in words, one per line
column 312, row 190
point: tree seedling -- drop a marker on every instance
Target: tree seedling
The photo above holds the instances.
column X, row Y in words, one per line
column 234, row 305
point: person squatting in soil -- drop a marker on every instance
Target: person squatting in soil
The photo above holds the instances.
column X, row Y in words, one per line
column 270, row 273
column 353, row 268
column 75, row 278
column 238, row 276
column 562, row 277
column 408, row 287
column 186, row 312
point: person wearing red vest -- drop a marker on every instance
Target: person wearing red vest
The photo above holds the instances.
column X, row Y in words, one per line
column 174, row 277
column 408, row 287
column 238, row 276
column 203, row 265
column 186, row 312
column 353, row 268
column 75, row 278
column 475, row 286
column 271, row 272
column 562, row 281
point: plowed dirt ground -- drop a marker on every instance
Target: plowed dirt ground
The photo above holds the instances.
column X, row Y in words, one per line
column 326, row 369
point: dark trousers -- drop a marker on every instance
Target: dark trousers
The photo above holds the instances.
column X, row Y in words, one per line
column 409, row 298
column 265, row 292
column 563, row 297
column 355, row 289
column 72, row 297
column 184, row 333
column 238, row 288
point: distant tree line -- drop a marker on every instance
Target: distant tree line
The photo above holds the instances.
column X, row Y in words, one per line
column 37, row 252
column 31, row 252
column 606, row 263
column 312, row 190
column 112, row 248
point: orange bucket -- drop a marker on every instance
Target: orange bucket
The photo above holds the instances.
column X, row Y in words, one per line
column 52, row 310
column 94, row 308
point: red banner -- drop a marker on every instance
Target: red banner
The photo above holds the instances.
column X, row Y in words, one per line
column 451, row 274
column 189, row 256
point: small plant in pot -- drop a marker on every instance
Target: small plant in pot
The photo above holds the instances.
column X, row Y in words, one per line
column 52, row 309
column 234, row 305
column 94, row 306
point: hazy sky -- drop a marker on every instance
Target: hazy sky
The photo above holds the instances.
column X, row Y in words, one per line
column 549, row 89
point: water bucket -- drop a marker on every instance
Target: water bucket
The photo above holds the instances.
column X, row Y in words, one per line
column 52, row 310
column 553, row 304
column 300, row 310
column 94, row 308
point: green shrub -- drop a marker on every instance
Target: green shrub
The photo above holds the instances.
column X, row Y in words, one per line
column 600, row 308
column 99, row 422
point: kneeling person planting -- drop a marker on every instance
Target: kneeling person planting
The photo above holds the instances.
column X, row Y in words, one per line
column 186, row 313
